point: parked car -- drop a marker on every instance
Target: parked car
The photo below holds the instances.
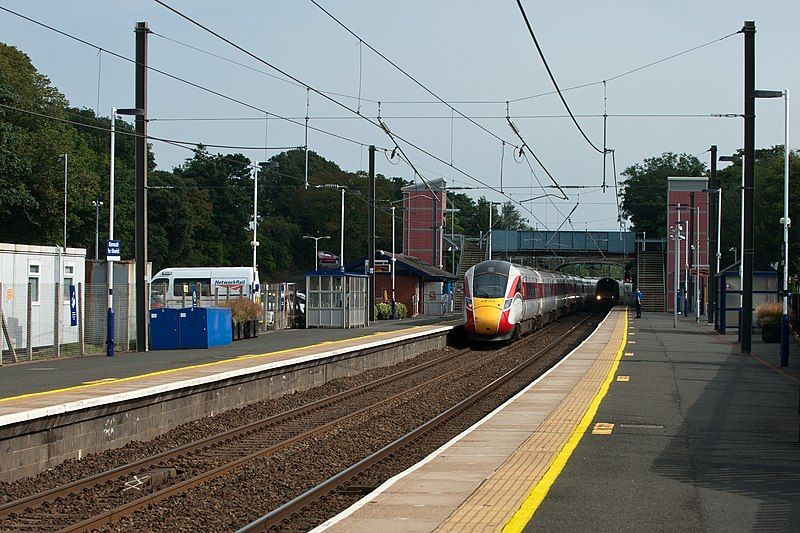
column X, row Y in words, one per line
column 327, row 257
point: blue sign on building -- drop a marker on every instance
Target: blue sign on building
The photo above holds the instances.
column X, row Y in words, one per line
column 73, row 306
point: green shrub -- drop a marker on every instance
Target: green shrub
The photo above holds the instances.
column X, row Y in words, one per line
column 402, row 310
column 383, row 310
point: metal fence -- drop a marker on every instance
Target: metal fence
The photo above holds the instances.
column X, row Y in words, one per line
column 41, row 321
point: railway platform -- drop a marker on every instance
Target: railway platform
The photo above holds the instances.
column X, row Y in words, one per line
column 642, row 427
column 60, row 409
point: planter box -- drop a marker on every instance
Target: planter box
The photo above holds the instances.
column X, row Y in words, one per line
column 771, row 334
column 246, row 329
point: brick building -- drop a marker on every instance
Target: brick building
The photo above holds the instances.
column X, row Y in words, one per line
column 687, row 204
column 420, row 286
column 423, row 214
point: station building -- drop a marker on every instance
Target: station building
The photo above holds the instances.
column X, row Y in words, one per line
column 424, row 289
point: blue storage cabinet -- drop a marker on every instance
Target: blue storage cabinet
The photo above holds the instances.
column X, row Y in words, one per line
column 164, row 332
column 204, row 327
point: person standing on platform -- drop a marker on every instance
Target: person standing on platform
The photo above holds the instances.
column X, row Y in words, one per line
column 638, row 302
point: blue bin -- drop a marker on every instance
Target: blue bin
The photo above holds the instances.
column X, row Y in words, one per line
column 164, row 332
column 205, row 327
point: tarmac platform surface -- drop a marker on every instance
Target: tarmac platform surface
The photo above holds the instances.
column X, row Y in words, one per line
column 53, row 374
column 654, row 429
column 703, row 439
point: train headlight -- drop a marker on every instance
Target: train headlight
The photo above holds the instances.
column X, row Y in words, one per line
column 507, row 303
column 599, row 297
column 468, row 303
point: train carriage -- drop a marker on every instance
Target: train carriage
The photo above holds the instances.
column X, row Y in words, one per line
column 503, row 300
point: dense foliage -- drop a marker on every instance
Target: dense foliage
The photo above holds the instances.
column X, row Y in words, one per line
column 644, row 199
column 199, row 213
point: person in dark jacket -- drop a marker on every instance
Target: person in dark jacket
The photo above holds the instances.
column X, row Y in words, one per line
column 638, row 303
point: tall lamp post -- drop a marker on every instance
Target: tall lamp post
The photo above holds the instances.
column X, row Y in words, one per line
column 491, row 224
column 676, row 236
column 96, row 204
column 266, row 165
column 110, row 340
column 316, row 248
column 344, row 190
column 65, row 157
column 785, row 221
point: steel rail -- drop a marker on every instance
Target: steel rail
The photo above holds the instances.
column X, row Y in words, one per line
column 36, row 500
column 113, row 515
column 294, row 507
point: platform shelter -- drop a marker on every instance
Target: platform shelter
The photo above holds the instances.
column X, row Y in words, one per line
column 336, row 299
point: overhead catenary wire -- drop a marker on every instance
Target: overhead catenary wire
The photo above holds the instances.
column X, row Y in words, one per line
column 174, row 142
column 175, row 77
column 573, row 87
column 253, row 69
column 449, row 117
column 376, row 122
column 553, row 78
column 405, row 72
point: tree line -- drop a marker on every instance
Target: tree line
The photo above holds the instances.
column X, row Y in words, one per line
column 644, row 200
column 199, row 212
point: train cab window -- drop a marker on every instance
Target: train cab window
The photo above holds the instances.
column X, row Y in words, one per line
column 490, row 279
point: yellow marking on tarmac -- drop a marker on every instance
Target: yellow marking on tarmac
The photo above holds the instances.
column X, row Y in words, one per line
column 629, row 354
column 200, row 365
column 603, row 428
column 623, row 378
column 96, row 381
column 536, row 496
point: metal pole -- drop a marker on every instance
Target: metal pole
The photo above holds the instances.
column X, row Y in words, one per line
column 66, row 158
column 676, row 236
column 697, row 266
column 308, row 102
column 713, row 203
column 785, row 315
column 394, row 263
column 686, row 273
column 341, row 236
column 749, row 152
column 254, row 244
column 692, row 256
column 96, row 229
column 371, row 240
column 110, row 340
column 141, row 186
column 316, row 253
column 491, row 208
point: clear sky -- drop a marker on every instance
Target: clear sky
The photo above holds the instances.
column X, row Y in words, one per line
column 464, row 51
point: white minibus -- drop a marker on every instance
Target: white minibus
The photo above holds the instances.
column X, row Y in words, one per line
column 172, row 287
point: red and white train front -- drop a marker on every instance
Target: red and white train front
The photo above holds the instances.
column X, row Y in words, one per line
column 493, row 300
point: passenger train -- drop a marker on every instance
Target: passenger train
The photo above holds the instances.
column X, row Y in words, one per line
column 503, row 300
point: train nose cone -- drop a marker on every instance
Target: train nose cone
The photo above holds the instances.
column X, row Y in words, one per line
column 487, row 318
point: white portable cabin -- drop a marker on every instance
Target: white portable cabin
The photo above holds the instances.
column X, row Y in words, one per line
column 41, row 267
column 172, row 287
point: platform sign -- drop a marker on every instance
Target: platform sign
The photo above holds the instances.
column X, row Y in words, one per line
column 113, row 250
column 282, row 299
column 382, row 265
column 73, row 306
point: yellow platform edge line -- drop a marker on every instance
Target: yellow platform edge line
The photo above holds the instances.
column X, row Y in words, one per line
column 537, row 494
column 200, row 365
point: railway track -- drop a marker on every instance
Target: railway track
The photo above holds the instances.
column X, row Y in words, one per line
column 105, row 498
column 277, row 519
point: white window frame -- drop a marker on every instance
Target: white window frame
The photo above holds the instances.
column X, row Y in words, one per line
column 38, row 276
column 64, row 277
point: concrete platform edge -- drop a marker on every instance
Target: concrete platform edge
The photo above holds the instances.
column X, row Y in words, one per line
column 391, row 481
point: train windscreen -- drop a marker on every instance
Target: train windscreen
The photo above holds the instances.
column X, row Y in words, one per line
column 490, row 279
